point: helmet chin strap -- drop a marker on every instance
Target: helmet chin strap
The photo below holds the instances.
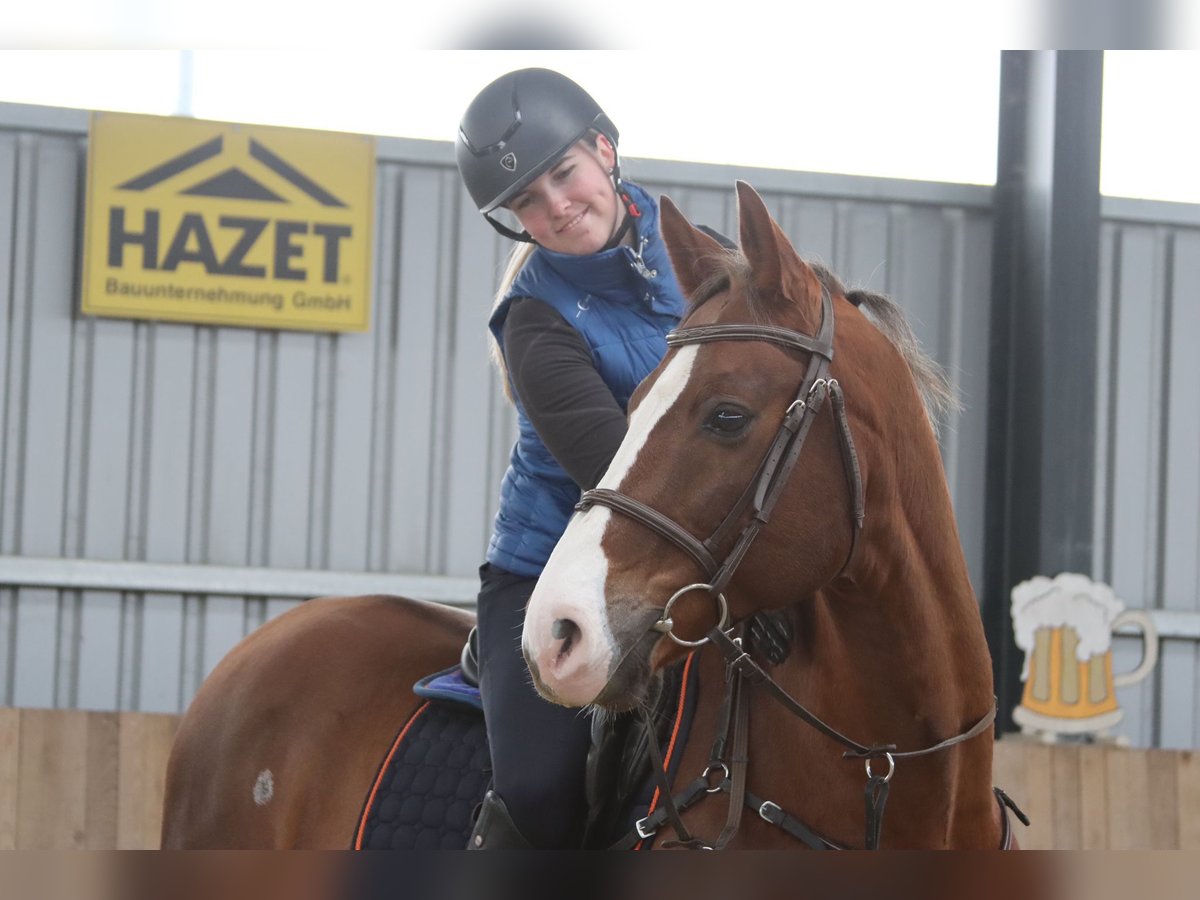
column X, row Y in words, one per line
column 630, row 206
column 631, row 210
column 523, row 236
column 619, row 234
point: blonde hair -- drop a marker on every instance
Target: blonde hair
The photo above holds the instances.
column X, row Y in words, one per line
column 516, row 261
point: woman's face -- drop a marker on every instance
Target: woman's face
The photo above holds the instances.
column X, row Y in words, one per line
column 573, row 207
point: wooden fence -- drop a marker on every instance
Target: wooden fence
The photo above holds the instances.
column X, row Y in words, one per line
column 1096, row 797
column 82, row 780
column 90, row 780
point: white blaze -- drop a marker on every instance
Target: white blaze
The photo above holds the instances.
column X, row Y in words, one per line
column 572, row 584
column 653, row 407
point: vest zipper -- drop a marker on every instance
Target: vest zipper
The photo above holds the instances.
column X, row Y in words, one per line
column 640, row 264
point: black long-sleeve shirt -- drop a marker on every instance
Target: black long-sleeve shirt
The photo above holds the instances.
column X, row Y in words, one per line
column 567, row 401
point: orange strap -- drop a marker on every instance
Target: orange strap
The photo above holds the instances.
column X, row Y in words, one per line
column 362, row 826
column 687, row 667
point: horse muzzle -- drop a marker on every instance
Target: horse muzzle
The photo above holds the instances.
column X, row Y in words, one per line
column 568, row 653
column 576, row 660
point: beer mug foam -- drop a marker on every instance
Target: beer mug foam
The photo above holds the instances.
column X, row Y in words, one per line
column 1065, row 627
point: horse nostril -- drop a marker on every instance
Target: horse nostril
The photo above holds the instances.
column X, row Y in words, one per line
column 567, row 631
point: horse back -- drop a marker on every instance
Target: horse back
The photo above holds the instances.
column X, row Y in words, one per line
column 281, row 743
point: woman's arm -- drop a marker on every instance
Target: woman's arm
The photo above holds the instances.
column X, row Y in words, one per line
column 567, row 401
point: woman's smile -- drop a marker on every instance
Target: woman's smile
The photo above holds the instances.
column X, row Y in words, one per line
column 574, row 221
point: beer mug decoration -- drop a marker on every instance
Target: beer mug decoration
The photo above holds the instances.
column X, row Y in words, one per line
column 1065, row 626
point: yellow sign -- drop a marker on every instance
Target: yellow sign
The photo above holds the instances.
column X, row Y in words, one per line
column 219, row 223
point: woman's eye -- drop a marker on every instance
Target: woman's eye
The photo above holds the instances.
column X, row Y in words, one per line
column 726, row 421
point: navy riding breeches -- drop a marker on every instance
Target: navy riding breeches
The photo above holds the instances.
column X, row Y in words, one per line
column 539, row 750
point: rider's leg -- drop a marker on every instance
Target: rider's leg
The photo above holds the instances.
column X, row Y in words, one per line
column 539, row 750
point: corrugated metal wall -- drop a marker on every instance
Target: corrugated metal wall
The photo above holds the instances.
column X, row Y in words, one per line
column 1148, row 451
column 185, row 444
column 382, row 452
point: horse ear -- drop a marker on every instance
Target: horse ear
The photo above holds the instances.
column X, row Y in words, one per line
column 695, row 256
column 777, row 271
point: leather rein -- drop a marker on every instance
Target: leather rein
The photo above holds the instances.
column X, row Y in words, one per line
column 759, row 499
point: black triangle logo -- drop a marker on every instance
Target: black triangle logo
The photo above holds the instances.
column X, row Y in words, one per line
column 232, row 183
column 235, row 185
column 174, row 166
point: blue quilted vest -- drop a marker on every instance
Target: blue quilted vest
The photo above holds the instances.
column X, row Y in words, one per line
column 631, row 300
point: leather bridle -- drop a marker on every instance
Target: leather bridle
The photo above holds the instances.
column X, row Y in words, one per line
column 773, row 472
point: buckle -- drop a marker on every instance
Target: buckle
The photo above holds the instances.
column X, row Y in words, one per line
column 643, row 829
column 770, row 812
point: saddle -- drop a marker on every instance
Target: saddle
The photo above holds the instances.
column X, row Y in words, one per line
column 436, row 771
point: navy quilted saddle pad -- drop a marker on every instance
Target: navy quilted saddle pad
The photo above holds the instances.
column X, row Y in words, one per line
column 438, row 768
column 435, row 774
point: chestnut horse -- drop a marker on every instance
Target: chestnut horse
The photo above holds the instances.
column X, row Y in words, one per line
column 281, row 743
column 839, row 520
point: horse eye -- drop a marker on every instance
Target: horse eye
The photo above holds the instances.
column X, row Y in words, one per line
column 727, row 421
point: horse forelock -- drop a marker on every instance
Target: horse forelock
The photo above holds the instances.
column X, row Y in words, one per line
column 729, row 271
column 732, row 273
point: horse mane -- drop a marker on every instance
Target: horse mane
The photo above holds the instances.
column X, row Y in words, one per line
column 937, row 394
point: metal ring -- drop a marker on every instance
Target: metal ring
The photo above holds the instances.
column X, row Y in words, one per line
column 666, row 623
column 709, row 770
column 891, row 768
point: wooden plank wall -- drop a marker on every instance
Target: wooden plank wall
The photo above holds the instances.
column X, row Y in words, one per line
column 94, row 780
column 75, row 780
column 1098, row 797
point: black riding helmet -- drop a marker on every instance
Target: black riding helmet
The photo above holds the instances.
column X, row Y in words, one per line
column 516, row 128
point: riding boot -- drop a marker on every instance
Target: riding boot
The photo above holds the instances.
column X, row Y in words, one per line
column 494, row 829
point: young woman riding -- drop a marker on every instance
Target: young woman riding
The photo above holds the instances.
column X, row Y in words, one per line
column 579, row 319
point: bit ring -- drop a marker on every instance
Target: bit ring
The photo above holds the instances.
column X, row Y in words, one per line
column 665, row 623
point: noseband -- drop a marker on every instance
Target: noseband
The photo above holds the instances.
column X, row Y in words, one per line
column 773, row 472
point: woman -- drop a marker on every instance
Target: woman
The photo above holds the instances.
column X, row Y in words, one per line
column 579, row 320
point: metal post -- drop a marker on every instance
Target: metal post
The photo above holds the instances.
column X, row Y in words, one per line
column 187, row 65
column 1044, row 331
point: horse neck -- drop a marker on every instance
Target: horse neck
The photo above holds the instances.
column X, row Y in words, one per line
column 907, row 605
column 894, row 652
